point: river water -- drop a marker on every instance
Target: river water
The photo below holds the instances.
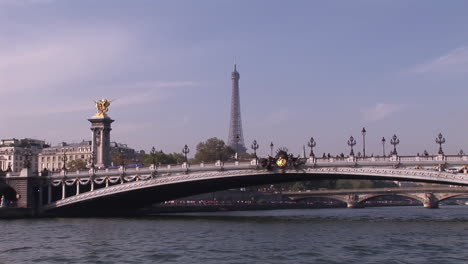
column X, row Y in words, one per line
column 369, row 235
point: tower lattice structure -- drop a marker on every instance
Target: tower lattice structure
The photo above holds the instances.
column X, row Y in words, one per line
column 236, row 136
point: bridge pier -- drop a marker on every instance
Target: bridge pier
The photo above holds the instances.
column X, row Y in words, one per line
column 27, row 189
column 354, row 205
column 430, row 201
column 63, row 190
column 40, row 202
column 49, row 193
column 353, row 201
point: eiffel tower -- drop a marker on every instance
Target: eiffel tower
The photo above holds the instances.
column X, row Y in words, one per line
column 236, row 137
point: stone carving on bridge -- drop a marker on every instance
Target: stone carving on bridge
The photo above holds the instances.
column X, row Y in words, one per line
column 102, row 107
column 282, row 160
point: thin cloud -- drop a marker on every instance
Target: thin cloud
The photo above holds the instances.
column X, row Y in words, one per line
column 380, row 111
column 456, row 61
column 165, row 84
column 152, row 92
column 149, row 91
column 25, row 2
column 54, row 61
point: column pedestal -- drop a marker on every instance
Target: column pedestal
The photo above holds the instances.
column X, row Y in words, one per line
column 101, row 127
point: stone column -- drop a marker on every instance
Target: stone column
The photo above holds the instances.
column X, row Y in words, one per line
column 101, row 127
column 353, row 201
column 430, row 201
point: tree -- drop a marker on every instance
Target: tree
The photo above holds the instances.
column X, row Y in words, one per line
column 363, row 184
column 116, row 159
column 163, row 158
column 77, row 164
column 213, row 149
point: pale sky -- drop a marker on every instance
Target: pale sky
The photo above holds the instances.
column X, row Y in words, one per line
column 308, row 68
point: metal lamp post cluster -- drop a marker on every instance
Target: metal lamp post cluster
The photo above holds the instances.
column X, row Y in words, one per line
column 122, row 159
column 351, row 143
column 440, row 140
column 363, row 132
column 383, row 146
column 255, row 146
column 64, row 160
column 312, row 143
column 27, row 162
column 93, row 160
column 394, row 141
column 153, row 157
column 186, row 151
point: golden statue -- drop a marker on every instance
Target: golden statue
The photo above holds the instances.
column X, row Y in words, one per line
column 102, row 107
column 281, row 162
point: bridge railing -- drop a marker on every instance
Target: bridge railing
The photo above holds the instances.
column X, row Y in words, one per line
column 162, row 170
column 428, row 162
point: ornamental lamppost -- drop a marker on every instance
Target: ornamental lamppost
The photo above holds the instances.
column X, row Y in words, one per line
column 383, row 146
column 271, row 148
column 351, row 143
column 122, row 158
column 153, row 156
column 93, row 159
column 363, row 132
column 64, row 160
column 186, row 150
column 219, row 149
column 394, row 141
column 440, row 140
column 311, row 145
column 255, row 147
column 27, row 163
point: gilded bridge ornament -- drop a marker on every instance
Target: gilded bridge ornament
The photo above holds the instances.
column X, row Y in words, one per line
column 281, row 162
column 102, row 107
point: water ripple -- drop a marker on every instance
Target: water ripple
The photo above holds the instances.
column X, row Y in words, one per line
column 370, row 235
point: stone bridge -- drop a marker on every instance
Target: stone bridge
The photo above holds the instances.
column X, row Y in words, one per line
column 429, row 197
column 99, row 191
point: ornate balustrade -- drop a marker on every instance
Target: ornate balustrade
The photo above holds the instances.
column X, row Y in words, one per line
column 427, row 162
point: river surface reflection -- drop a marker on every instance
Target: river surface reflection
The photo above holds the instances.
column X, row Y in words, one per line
column 369, row 235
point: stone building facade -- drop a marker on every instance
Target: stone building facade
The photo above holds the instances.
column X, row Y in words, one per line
column 14, row 153
column 52, row 158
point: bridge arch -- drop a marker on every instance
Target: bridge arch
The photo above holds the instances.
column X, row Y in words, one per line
column 8, row 192
column 417, row 197
column 448, row 196
column 166, row 186
column 338, row 198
